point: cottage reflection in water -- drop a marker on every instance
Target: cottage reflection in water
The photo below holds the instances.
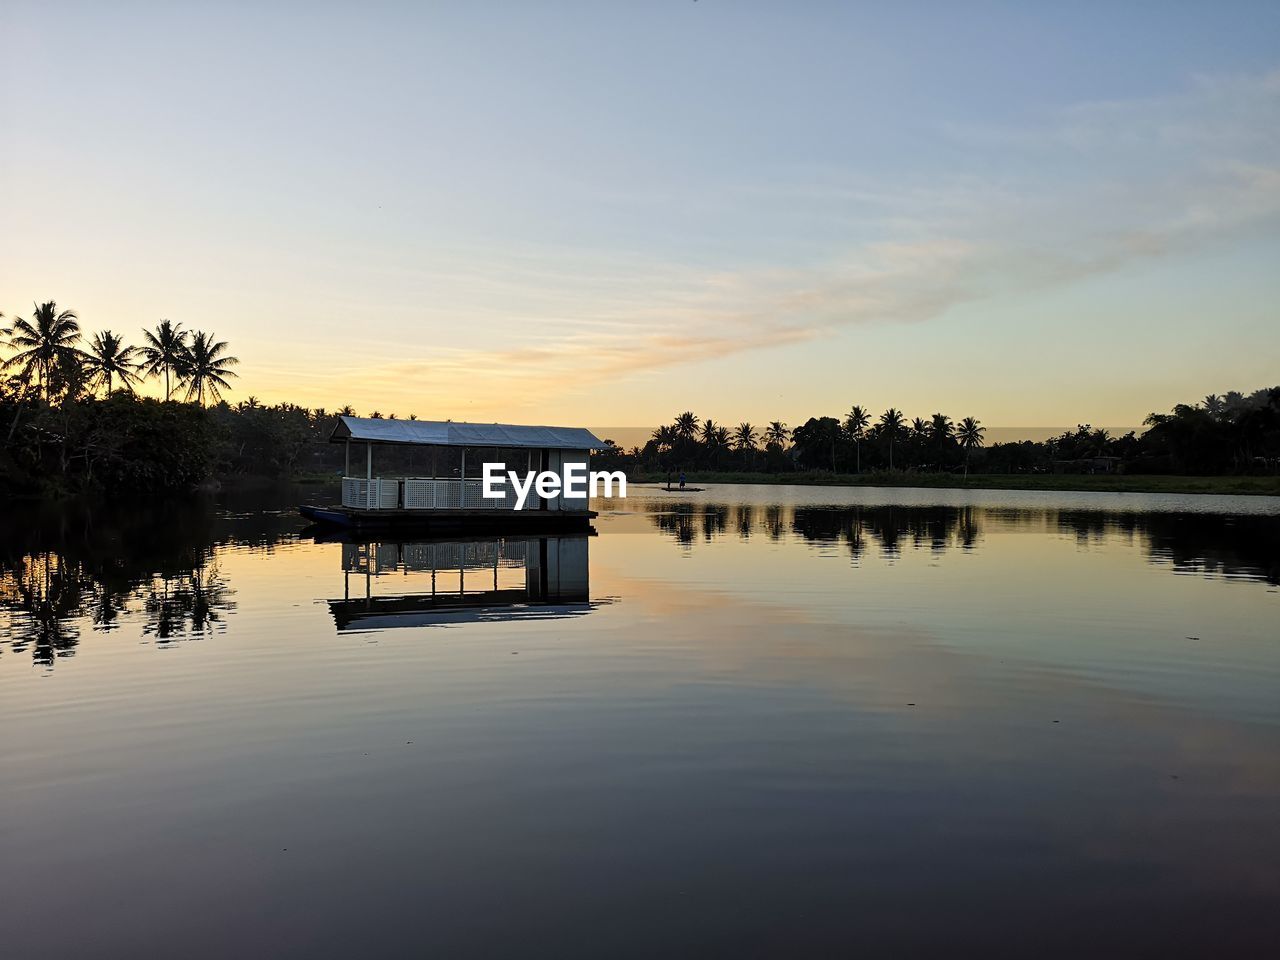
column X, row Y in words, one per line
column 388, row 584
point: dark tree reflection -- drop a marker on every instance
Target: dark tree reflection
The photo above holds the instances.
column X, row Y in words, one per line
column 72, row 571
column 1245, row 547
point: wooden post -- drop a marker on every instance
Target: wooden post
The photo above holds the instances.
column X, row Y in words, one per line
column 368, row 476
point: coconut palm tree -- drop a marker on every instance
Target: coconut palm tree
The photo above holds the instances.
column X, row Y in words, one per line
column 745, row 439
column 855, row 425
column 709, row 428
column 165, row 351
column 777, row 432
column 969, row 434
column 1099, row 439
column 687, row 425
column 347, row 411
column 941, row 429
column 891, row 423
column 108, row 358
column 43, row 345
column 717, row 440
column 665, row 437
column 207, row 367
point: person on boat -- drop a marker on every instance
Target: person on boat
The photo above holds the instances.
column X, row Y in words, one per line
column 681, row 479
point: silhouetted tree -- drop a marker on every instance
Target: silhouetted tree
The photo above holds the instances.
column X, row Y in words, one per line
column 165, row 352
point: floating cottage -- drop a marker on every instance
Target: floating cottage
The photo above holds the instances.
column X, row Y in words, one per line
column 435, row 481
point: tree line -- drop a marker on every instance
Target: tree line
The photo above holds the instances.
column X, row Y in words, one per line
column 72, row 420
column 51, row 359
column 849, row 444
column 1232, row 433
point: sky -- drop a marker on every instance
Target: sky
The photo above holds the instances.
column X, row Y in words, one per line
column 607, row 213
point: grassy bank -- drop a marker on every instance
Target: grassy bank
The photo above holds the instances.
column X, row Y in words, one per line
column 1123, row 483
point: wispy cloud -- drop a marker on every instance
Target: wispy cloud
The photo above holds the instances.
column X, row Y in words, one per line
column 1113, row 184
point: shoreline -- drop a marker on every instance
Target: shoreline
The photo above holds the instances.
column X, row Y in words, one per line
column 1115, row 483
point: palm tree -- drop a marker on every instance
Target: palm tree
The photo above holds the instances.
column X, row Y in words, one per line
column 165, row 351
column 745, row 439
column 347, row 411
column 1213, row 405
column 855, row 425
column 665, row 437
column 717, row 441
column 109, row 358
column 969, row 434
column 1100, row 438
column 941, row 428
column 709, row 428
column 687, row 425
column 44, row 344
column 891, row 424
column 207, row 366
column 777, row 432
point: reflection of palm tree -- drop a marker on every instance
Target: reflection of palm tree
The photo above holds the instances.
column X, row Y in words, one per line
column 46, row 591
column 43, row 344
column 191, row 603
column 969, row 434
column 207, row 367
column 773, row 521
column 109, row 358
column 165, row 351
column 855, row 425
column 891, row 426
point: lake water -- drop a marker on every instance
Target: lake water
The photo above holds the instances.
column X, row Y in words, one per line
column 768, row 721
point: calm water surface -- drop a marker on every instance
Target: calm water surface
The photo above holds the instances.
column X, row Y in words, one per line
column 747, row 722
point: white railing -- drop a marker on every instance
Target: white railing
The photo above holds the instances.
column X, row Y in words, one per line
column 410, row 493
column 471, row 555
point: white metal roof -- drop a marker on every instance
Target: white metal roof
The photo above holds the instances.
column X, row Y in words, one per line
column 448, row 433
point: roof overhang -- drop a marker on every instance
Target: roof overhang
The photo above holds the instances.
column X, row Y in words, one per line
column 448, row 433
